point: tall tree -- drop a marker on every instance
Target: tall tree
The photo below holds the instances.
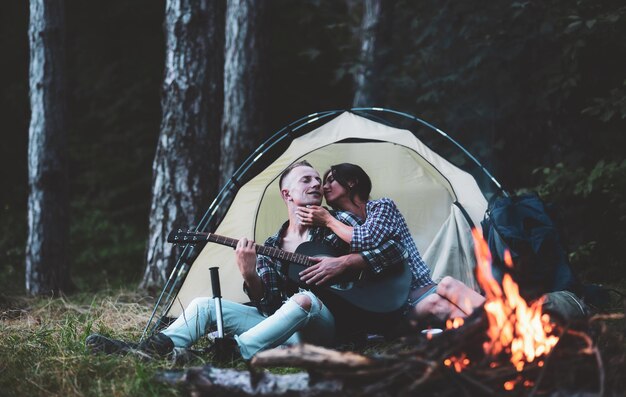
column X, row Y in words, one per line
column 245, row 72
column 48, row 204
column 185, row 168
column 375, row 38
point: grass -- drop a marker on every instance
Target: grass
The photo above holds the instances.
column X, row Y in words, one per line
column 42, row 349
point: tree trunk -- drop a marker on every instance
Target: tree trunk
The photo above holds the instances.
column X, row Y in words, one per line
column 245, row 71
column 375, row 36
column 185, row 168
column 48, row 206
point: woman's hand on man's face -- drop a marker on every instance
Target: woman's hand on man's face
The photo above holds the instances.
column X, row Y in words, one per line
column 313, row 215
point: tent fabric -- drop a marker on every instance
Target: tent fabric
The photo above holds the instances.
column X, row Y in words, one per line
column 424, row 185
column 451, row 253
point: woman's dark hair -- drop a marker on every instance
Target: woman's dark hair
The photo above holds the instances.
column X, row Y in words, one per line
column 353, row 178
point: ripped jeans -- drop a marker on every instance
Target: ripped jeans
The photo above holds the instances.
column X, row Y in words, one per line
column 290, row 324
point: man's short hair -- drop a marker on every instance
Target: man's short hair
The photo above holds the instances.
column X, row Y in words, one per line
column 288, row 170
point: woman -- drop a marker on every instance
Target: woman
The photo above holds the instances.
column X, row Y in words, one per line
column 347, row 188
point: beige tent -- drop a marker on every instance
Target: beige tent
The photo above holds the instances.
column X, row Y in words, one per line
column 437, row 199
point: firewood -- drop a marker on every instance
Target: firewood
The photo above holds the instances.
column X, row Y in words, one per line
column 311, row 356
column 211, row 381
column 415, row 365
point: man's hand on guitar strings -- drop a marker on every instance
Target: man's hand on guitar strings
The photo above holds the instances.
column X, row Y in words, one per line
column 324, row 271
column 245, row 256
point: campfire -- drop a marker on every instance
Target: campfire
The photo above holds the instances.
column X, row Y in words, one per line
column 516, row 330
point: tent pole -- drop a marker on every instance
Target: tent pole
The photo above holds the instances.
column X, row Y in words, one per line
column 443, row 134
column 170, row 280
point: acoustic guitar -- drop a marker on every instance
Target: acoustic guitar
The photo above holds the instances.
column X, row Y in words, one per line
column 381, row 293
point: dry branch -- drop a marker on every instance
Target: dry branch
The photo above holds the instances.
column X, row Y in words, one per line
column 310, row 356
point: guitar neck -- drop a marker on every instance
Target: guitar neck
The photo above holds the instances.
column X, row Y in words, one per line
column 272, row 252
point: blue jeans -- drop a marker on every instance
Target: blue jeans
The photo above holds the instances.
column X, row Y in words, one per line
column 254, row 332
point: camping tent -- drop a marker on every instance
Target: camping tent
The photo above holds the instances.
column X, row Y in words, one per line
column 439, row 201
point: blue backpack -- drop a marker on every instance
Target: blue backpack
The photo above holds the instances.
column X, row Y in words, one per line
column 522, row 225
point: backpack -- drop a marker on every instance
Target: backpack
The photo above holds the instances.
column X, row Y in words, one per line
column 522, row 225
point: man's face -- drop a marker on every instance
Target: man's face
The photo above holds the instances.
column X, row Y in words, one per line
column 303, row 187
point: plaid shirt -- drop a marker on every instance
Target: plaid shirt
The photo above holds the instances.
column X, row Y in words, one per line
column 272, row 271
column 384, row 222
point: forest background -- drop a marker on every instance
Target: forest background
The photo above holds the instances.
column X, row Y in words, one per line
column 536, row 90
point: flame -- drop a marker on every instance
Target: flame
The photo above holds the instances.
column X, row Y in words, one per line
column 514, row 327
column 508, row 260
column 520, row 331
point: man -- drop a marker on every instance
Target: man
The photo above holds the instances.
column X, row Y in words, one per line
column 274, row 319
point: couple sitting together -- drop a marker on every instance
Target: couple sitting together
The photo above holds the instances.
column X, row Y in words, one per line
column 371, row 234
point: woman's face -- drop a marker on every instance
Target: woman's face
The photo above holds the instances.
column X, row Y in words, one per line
column 333, row 191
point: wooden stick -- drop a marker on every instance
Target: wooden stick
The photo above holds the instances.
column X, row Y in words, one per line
column 310, row 356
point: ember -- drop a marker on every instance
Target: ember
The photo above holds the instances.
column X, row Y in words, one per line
column 454, row 323
column 458, row 363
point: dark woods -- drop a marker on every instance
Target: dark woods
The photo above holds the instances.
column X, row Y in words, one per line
column 536, row 90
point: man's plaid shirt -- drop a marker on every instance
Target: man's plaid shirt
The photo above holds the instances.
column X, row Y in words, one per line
column 384, row 222
column 272, row 271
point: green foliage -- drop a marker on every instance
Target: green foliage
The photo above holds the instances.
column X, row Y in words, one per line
column 536, row 91
column 115, row 68
column 14, row 113
column 12, row 246
column 514, row 82
column 593, row 204
column 107, row 253
column 308, row 46
column 608, row 107
column 114, row 71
